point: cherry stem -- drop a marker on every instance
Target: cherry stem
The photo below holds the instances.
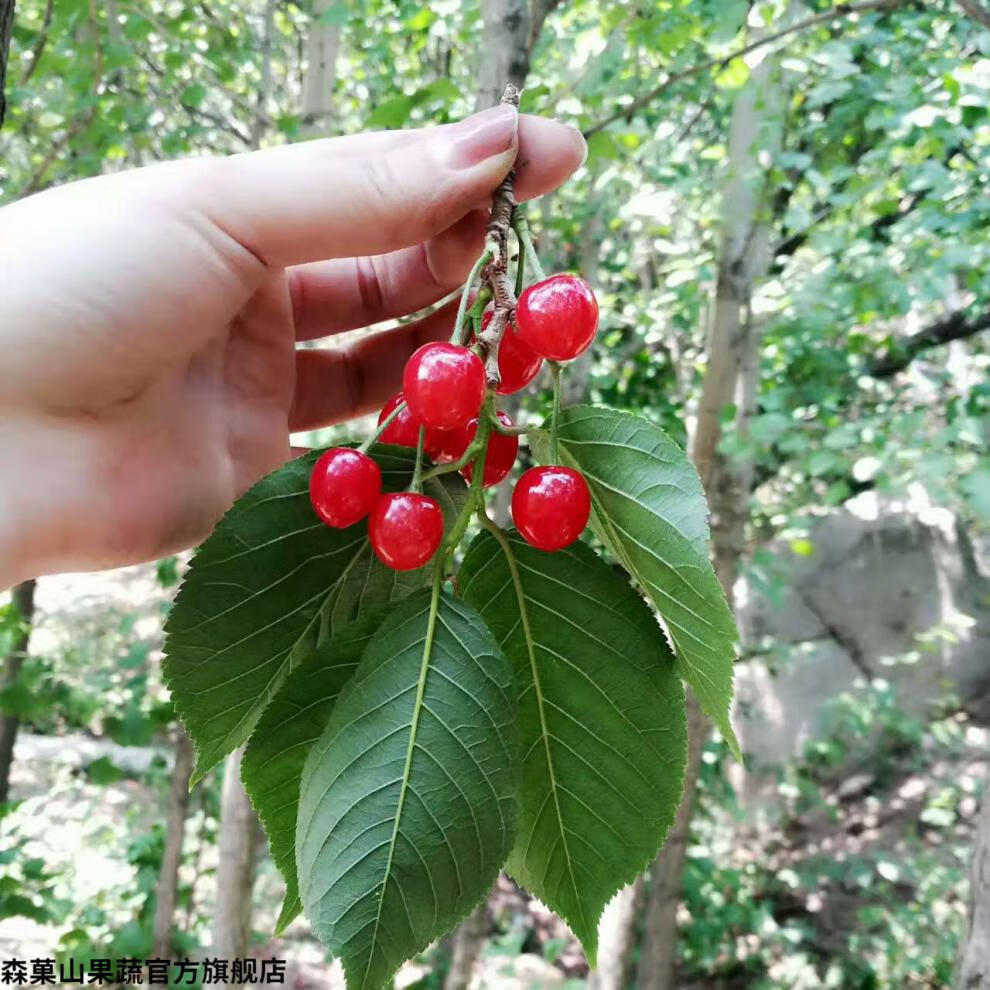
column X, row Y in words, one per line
column 382, row 427
column 520, row 224
column 507, row 431
column 555, row 370
column 472, row 451
column 459, row 336
column 475, row 494
column 520, row 262
column 416, row 485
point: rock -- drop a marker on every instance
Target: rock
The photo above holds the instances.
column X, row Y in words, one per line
column 892, row 590
column 855, row 786
column 534, row 971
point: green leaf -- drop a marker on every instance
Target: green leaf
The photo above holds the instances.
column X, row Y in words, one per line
column 270, row 583
column 408, row 799
column 391, row 113
column 273, row 761
column 601, row 713
column 649, row 510
column 602, row 147
column 193, row 95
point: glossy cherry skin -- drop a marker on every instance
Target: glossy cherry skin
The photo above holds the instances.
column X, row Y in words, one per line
column 558, row 317
column 405, row 530
column 501, row 455
column 550, row 507
column 444, row 385
column 518, row 363
column 403, row 431
column 344, row 486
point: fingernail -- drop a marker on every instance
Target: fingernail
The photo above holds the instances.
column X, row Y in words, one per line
column 486, row 134
column 581, row 143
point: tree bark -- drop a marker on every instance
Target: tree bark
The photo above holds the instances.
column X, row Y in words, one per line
column 237, row 853
column 6, row 25
column 575, row 384
column 321, row 50
column 617, row 939
column 973, row 964
column 658, row 953
column 22, row 598
column 956, row 326
column 468, row 940
column 731, row 375
column 260, row 122
column 166, row 893
column 976, row 10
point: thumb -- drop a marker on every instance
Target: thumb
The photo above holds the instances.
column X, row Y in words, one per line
column 362, row 195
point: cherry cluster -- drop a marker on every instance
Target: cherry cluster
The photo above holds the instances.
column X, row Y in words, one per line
column 441, row 406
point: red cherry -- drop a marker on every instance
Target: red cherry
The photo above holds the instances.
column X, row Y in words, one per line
column 518, row 363
column 405, row 530
column 501, row 454
column 444, row 385
column 558, row 317
column 344, row 486
column 404, row 430
column 550, row 507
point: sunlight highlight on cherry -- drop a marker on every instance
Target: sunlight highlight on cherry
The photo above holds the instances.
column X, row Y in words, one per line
column 558, row 317
column 444, row 385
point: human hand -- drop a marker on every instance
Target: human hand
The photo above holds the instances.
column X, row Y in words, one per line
column 149, row 371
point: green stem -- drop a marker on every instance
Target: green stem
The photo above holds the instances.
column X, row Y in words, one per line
column 508, row 431
column 382, row 427
column 521, row 226
column 555, row 370
column 473, row 449
column 475, row 494
column 457, row 337
column 416, row 485
column 520, row 265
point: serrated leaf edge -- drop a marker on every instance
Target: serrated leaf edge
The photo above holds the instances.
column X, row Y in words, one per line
column 604, row 526
column 590, row 950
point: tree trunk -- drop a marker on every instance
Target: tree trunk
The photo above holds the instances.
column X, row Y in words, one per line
column 22, row 598
column 260, row 123
column 973, row 964
column 731, row 375
column 504, row 51
column 468, row 940
column 6, row 24
column 236, row 861
column 658, row 954
column 322, row 48
column 166, row 893
column 617, row 939
column 575, row 384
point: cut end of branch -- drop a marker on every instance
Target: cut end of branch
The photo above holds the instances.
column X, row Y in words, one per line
column 511, row 96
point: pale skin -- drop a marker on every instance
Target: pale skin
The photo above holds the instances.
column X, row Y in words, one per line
column 149, row 321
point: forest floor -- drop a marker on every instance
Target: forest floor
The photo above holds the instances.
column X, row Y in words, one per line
column 866, row 860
